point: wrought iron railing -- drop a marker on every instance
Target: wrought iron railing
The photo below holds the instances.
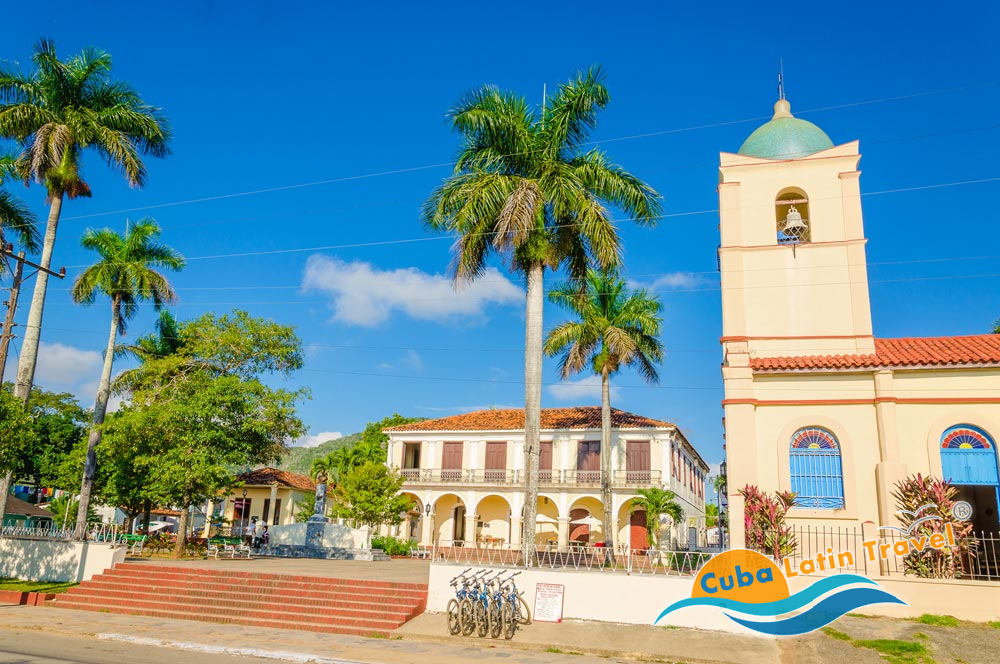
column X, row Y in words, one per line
column 96, row 532
column 624, row 560
column 620, row 478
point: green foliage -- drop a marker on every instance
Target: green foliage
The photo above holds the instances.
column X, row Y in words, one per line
column 525, row 187
column 657, row 502
column 615, row 327
column 63, row 107
column 711, row 515
column 59, row 426
column 764, row 519
column 17, row 221
column 940, row 621
column 300, row 459
column 16, row 433
column 369, row 494
column 62, row 518
column 374, row 436
column 16, row 585
column 894, row 651
column 995, row 624
column 391, row 545
column 369, row 447
column 914, row 492
column 305, row 508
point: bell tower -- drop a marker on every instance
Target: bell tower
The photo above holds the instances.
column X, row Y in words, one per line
column 792, row 256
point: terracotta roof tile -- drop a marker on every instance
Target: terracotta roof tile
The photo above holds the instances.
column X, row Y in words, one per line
column 512, row 419
column 908, row 351
column 267, row 476
column 23, row 508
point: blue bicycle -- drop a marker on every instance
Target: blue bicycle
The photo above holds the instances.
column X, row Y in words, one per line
column 461, row 586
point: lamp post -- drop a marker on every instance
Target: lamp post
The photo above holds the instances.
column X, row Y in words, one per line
column 243, row 514
column 722, row 494
column 427, row 512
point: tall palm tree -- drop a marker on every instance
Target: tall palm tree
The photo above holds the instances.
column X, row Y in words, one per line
column 125, row 274
column 614, row 328
column 58, row 111
column 657, row 502
column 17, row 221
column 164, row 341
column 526, row 188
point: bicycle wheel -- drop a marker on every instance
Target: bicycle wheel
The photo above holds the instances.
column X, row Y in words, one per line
column 509, row 621
column 467, row 617
column 482, row 620
column 496, row 619
column 523, row 612
column 454, row 618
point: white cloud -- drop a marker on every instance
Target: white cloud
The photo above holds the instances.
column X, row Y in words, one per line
column 673, row 281
column 318, row 439
column 588, row 387
column 364, row 295
column 411, row 361
column 59, row 365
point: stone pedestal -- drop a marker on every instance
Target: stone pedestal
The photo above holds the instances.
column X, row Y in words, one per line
column 317, row 538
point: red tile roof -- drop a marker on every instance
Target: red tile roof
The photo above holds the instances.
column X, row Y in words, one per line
column 905, row 352
column 22, row 508
column 512, row 419
column 268, row 476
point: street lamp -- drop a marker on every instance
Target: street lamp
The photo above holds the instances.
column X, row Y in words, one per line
column 243, row 513
column 723, row 490
column 427, row 509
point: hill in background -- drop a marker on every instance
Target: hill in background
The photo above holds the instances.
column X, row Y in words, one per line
column 300, row 459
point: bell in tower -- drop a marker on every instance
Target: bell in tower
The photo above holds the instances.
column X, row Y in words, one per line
column 794, row 228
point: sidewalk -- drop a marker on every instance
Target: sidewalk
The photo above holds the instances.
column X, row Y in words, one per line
column 420, row 641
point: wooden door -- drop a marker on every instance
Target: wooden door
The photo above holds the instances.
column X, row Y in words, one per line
column 578, row 532
column 637, row 461
column 451, row 461
column 496, row 461
column 588, row 461
column 545, row 462
column 637, row 531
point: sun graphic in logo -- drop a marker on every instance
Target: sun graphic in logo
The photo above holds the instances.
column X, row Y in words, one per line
column 743, row 576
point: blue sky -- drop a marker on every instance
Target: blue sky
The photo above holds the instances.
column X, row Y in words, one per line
column 297, row 94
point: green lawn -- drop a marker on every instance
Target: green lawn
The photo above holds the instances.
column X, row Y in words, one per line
column 34, row 586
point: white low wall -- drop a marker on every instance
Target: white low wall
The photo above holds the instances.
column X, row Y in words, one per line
column 605, row 596
column 45, row 560
column 335, row 536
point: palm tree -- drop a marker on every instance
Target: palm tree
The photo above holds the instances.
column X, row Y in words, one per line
column 125, row 274
column 15, row 217
column 657, row 502
column 163, row 342
column 56, row 112
column 524, row 187
column 614, row 328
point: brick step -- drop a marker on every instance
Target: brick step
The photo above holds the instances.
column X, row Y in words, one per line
column 160, row 571
column 329, row 585
column 308, row 627
column 389, row 595
column 91, row 589
column 368, row 619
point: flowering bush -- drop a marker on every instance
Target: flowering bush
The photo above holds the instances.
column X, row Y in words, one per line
column 912, row 493
column 764, row 520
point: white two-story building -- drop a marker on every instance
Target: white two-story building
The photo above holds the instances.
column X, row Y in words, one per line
column 466, row 476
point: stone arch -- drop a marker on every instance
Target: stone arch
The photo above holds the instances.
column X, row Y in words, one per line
column 584, row 506
column 791, row 212
column 449, row 510
column 494, row 512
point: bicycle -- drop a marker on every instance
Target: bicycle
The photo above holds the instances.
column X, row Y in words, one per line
column 482, row 607
column 515, row 609
column 454, row 605
column 467, row 606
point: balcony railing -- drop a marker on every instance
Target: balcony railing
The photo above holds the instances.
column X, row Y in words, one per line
column 572, row 477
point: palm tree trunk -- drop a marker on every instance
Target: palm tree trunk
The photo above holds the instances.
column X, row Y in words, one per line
column 532, row 402
column 100, row 409
column 29, row 343
column 606, row 460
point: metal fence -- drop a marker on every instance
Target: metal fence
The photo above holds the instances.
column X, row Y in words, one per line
column 545, row 477
column 581, row 558
column 97, row 532
column 981, row 561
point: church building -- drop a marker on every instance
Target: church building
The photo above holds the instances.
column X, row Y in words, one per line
column 814, row 403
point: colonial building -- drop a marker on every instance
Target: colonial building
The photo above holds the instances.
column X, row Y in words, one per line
column 269, row 495
column 466, row 476
column 814, row 403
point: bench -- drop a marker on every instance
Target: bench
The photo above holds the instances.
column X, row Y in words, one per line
column 134, row 544
column 420, row 552
column 229, row 548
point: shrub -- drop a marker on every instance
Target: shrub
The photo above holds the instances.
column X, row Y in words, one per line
column 391, row 545
column 764, row 519
column 914, row 492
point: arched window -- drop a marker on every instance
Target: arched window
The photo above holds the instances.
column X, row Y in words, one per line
column 791, row 212
column 968, row 456
column 817, row 473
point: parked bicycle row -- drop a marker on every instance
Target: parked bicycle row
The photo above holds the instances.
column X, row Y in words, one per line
column 486, row 603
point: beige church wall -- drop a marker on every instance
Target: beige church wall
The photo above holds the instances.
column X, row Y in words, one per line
column 817, row 386
column 921, row 426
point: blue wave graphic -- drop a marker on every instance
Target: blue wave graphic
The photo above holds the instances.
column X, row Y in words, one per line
column 776, row 608
column 823, row 613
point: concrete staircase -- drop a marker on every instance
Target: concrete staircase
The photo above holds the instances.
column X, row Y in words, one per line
column 343, row 606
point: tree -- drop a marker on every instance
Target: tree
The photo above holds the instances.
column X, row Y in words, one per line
column 370, row 494
column 204, row 411
column 15, row 434
column 58, row 424
column 996, row 326
column 164, row 341
column 614, row 328
column 525, row 187
column 56, row 112
column 17, row 221
column 657, row 502
column 126, row 275
column 711, row 515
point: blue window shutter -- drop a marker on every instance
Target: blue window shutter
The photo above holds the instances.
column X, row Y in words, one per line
column 816, row 469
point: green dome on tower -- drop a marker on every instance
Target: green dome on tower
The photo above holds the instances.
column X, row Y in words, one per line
column 785, row 137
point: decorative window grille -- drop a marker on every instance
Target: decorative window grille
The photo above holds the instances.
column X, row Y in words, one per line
column 968, row 457
column 816, row 469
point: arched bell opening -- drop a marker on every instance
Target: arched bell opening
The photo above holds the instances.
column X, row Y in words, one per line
column 791, row 212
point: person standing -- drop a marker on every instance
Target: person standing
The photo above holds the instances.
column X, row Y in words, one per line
column 250, row 531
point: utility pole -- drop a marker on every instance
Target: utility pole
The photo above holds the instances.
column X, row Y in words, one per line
column 8, row 334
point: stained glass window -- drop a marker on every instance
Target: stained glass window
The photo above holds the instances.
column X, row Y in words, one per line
column 816, row 469
column 965, row 437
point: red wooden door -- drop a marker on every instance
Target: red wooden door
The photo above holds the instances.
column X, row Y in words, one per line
column 545, row 462
column 588, row 461
column 451, row 461
column 578, row 532
column 637, row 461
column 496, row 461
column 637, row 531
